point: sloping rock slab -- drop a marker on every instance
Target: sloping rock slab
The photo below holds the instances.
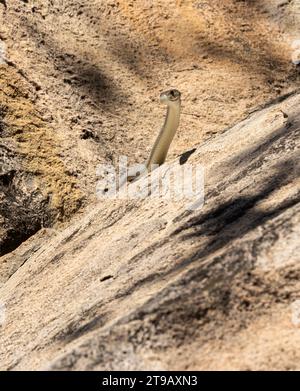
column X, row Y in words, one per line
column 148, row 284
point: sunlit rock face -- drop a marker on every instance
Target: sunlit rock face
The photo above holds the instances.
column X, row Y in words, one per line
column 146, row 283
column 150, row 284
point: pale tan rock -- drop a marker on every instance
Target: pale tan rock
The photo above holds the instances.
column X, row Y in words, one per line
column 80, row 81
column 143, row 284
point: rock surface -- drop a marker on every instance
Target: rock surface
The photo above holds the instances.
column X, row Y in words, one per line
column 35, row 187
column 148, row 284
column 79, row 83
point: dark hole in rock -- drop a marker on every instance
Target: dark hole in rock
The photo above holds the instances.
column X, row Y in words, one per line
column 16, row 237
column 88, row 134
column 7, row 178
column 185, row 156
column 108, row 277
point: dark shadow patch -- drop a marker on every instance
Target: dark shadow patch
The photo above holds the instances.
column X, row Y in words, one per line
column 95, row 323
column 105, row 278
column 90, row 81
column 78, row 328
column 185, row 156
column 23, row 212
column 254, row 157
column 21, row 232
column 57, row 257
column 3, row 112
column 88, row 78
column 89, row 134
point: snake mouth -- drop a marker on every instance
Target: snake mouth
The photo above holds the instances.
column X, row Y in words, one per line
column 172, row 95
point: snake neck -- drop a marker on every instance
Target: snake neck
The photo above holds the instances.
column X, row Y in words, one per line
column 162, row 143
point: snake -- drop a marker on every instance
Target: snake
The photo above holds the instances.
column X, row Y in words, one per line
column 172, row 99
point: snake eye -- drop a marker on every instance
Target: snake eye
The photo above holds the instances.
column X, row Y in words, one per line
column 170, row 95
column 174, row 94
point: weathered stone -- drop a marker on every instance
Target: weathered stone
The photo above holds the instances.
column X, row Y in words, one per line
column 148, row 284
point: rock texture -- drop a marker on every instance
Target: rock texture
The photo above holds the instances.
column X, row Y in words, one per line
column 79, row 83
column 36, row 188
column 148, row 284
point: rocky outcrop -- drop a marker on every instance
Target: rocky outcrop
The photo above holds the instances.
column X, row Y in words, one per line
column 36, row 188
column 150, row 284
column 79, row 83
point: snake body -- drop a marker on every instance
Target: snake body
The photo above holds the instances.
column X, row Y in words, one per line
column 163, row 141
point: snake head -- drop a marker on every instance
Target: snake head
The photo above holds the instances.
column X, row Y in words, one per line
column 170, row 96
